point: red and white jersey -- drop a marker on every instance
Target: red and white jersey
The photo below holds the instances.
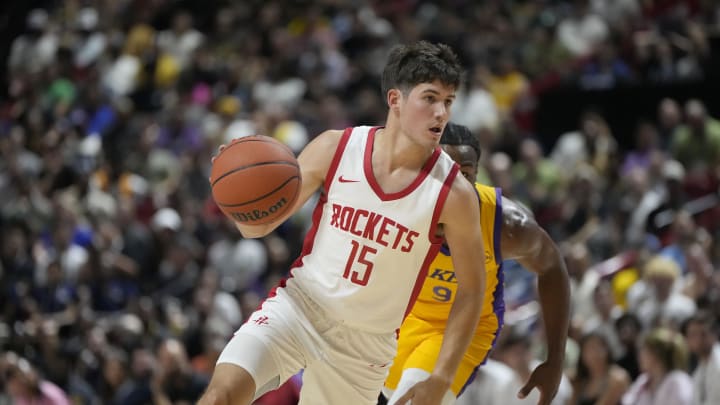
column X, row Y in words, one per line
column 367, row 253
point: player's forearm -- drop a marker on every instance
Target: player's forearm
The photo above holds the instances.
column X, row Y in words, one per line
column 554, row 291
column 255, row 231
column 461, row 325
column 258, row 231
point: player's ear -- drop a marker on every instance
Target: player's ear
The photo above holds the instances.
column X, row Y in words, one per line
column 394, row 97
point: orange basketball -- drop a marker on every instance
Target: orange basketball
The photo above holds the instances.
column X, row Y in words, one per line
column 255, row 179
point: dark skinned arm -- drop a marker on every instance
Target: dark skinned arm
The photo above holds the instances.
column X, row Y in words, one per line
column 526, row 242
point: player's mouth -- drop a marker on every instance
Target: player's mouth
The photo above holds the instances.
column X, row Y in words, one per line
column 436, row 130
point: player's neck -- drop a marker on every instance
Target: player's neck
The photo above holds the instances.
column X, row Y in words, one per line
column 393, row 149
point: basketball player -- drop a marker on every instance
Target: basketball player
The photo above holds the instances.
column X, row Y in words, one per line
column 509, row 232
column 389, row 197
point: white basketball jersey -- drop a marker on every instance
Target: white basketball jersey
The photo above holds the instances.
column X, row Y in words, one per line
column 367, row 253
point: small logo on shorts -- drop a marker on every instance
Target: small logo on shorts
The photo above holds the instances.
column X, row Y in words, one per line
column 380, row 365
column 263, row 320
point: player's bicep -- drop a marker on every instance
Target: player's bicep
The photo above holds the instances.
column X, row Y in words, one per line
column 522, row 239
column 461, row 222
column 315, row 161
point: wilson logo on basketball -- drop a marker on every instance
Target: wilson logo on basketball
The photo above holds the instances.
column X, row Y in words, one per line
column 256, row 215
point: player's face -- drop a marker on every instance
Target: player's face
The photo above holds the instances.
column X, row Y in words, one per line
column 425, row 111
column 466, row 157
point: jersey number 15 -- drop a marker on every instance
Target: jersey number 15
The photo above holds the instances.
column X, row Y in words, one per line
column 361, row 276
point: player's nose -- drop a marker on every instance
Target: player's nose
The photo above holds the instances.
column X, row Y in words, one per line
column 441, row 112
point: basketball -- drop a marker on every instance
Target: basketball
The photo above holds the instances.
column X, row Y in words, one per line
column 255, row 179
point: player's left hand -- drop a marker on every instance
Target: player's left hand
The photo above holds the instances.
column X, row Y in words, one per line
column 546, row 377
column 427, row 392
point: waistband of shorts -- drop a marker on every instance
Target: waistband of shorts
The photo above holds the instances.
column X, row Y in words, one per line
column 297, row 293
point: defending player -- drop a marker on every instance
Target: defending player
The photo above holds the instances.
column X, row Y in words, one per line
column 386, row 193
column 509, row 232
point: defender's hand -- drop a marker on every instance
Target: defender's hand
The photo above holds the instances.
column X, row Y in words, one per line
column 427, row 392
column 546, row 377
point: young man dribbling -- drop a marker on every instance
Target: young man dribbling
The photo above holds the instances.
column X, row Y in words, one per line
column 389, row 197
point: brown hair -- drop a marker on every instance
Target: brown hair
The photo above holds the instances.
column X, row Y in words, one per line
column 668, row 346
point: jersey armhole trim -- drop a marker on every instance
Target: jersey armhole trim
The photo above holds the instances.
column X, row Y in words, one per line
column 442, row 197
column 497, row 228
column 336, row 159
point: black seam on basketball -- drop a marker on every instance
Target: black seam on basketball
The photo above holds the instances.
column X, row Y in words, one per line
column 237, row 169
column 291, row 204
column 263, row 196
column 253, row 138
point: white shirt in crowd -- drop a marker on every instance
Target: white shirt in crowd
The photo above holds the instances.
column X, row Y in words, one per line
column 706, row 379
column 675, row 389
column 498, row 384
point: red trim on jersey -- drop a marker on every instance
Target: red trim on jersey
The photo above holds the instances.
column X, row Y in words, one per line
column 432, row 252
column 370, row 175
column 336, row 159
column 317, row 212
column 272, row 293
column 447, row 185
column 436, row 241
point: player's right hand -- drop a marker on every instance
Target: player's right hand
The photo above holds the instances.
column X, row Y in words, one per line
column 546, row 378
column 428, row 392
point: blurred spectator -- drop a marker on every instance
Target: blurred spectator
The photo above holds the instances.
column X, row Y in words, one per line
column 114, row 371
column 647, row 144
column 661, row 198
column 697, row 143
column 499, row 380
column 174, row 378
column 25, row 386
column 629, row 328
column 592, row 143
column 583, row 282
column 664, row 381
column 544, row 55
column 507, row 84
column 669, row 118
column 606, row 69
column 121, row 78
column 615, row 11
column 475, row 107
column 582, row 30
column 603, row 321
column 136, row 389
column 181, row 40
column 701, row 332
column 657, row 299
column 537, row 180
column 597, row 379
column 89, row 43
column 34, row 50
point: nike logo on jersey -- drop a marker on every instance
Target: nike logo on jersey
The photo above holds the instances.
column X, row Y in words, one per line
column 344, row 180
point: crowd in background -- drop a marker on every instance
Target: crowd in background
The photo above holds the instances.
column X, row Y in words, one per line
column 120, row 280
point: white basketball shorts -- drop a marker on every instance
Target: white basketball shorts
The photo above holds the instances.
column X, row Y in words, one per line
column 290, row 333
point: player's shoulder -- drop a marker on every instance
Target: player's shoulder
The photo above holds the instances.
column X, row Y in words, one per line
column 516, row 215
column 329, row 138
column 462, row 188
column 461, row 201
